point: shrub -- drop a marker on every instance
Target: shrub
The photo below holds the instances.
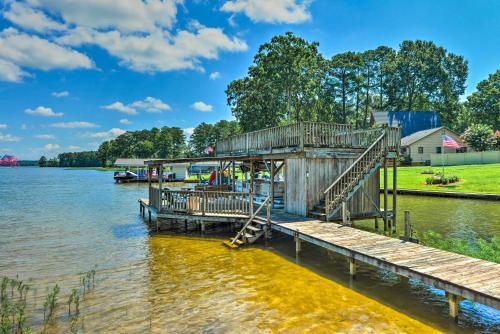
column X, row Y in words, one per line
column 440, row 179
column 405, row 160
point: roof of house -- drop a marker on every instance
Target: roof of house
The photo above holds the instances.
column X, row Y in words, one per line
column 414, row 137
column 409, row 121
column 126, row 162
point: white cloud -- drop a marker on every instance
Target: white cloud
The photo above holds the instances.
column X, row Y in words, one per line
column 74, row 147
column 188, row 131
column 105, row 135
column 125, row 121
column 202, row 106
column 276, row 11
column 64, row 93
column 150, row 104
column 51, row 147
column 73, row 125
column 11, row 72
column 214, row 75
column 3, row 126
column 128, row 16
column 31, row 51
column 8, row 137
column 121, row 108
column 44, row 136
column 43, row 111
column 159, row 50
column 32, row 19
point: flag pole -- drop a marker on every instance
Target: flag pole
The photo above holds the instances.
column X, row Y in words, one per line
column 442, row 150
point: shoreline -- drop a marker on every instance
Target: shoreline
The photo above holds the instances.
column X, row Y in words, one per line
column 449, row 194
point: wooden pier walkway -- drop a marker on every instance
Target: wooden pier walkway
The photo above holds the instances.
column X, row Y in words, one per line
column 460, row 276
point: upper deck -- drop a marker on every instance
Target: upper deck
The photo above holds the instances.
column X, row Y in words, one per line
column 303, row 136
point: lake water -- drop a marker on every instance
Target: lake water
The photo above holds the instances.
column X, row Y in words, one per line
column 56, row 224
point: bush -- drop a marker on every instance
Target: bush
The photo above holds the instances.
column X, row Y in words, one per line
column 427, row 171
column 440, row 179
column 405, row 160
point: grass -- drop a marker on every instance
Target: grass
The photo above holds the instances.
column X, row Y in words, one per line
column 483, row 179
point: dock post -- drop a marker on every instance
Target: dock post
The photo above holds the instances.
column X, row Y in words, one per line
column 394, row 192
column 157, row 226
column 268, row 221
column 298, row 244
column 234, row 177
column 403, row 279
column 273, row 169
column 407, row 224
column 453, row 303
column 202, row 226
column 385, row 195
column 352, row 267
column 149, row 219
column 344, row 213
column 376, row 223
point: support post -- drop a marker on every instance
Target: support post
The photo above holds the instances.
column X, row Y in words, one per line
column 234, row 177
column 386, row 194
column 273, row 171
column 149, row 219
column 160, row 186
column 453, row 303
column 407, row 224
column 202, row 226
column 344, row 213
column 298, row 245
column 352, row 267
column 394, row 193
column 268, row 220
column 252, row 177
column 376, row 223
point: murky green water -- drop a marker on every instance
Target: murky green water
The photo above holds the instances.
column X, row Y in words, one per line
column 56, row 224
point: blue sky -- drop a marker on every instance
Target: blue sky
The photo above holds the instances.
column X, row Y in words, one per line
column 75, row 73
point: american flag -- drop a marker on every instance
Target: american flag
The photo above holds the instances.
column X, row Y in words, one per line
column 449, row 142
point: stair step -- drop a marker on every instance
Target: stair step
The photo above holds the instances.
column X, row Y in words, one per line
column 249, row 236
column 317, row 214
column 253, row 228
column 228, row 243
column 260, row 222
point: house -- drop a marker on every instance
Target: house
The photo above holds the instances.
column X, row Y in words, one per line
column 420, row 145
column 409, row 121
column 178, row 171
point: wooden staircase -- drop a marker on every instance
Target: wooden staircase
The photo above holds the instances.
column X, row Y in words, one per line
column 352, row 179
column 253, row 229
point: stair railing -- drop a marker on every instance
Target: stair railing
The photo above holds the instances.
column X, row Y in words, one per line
column 252, row 217
column 351, row 176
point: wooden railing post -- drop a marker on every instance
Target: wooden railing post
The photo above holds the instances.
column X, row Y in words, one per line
column 302, row 136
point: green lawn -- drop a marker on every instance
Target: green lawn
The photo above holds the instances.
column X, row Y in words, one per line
column 473, row 178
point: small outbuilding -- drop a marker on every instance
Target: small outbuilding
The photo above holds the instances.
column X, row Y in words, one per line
column 420, row 145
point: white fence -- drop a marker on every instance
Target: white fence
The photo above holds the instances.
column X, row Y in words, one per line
column 469, row 158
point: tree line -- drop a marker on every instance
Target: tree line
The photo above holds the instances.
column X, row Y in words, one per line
column 291, row 81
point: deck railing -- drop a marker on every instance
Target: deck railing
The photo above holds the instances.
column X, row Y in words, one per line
column 206, row 202
column 304, row 134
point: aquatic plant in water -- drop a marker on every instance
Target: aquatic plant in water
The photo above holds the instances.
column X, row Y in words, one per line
column 14, row 305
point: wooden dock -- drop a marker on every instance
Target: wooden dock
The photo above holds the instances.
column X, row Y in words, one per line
column 460, row 276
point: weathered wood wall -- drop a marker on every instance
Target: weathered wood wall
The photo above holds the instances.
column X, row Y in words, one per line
column 306, row 180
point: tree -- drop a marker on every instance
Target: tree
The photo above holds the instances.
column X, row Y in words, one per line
column 479, row 137
column 104, row 153
column 42, row 162
column 484, row 104
column 281, row 86
column 205, row 135
column 424, row 76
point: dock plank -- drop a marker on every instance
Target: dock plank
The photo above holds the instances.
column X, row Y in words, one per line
column 470, row 278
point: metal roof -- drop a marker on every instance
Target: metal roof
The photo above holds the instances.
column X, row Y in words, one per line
column 409, row 121
column 126, row 162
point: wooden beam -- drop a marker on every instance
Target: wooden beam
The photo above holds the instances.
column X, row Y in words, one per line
column 234, row 176
column 385, row 196
column 394, row 193
column 273, row 173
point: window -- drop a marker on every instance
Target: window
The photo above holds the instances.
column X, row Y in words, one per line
column 438, row 149
column 420, row 150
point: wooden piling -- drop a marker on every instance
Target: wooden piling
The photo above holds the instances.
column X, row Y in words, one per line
column 453, row 303
column 394, row 193
column 298, row 245
column 352, row 267
column 385, row 196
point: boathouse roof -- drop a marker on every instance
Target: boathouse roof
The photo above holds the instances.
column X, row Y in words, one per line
column 409, row 121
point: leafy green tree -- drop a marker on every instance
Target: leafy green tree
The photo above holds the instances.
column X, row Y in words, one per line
column 205, row 135
column 424, row 76
column 104, row 153
column 42, row 162
column 484, row 104
column 281, row 86
column 479, row 137
column 144, row 149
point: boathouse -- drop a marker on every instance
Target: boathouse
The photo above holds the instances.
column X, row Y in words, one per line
column 330, row 176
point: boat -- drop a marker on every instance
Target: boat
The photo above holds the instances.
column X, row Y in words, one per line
column 124, row 176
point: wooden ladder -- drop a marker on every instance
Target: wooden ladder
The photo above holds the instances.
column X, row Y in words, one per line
column 253, row 229
column 355, row 176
